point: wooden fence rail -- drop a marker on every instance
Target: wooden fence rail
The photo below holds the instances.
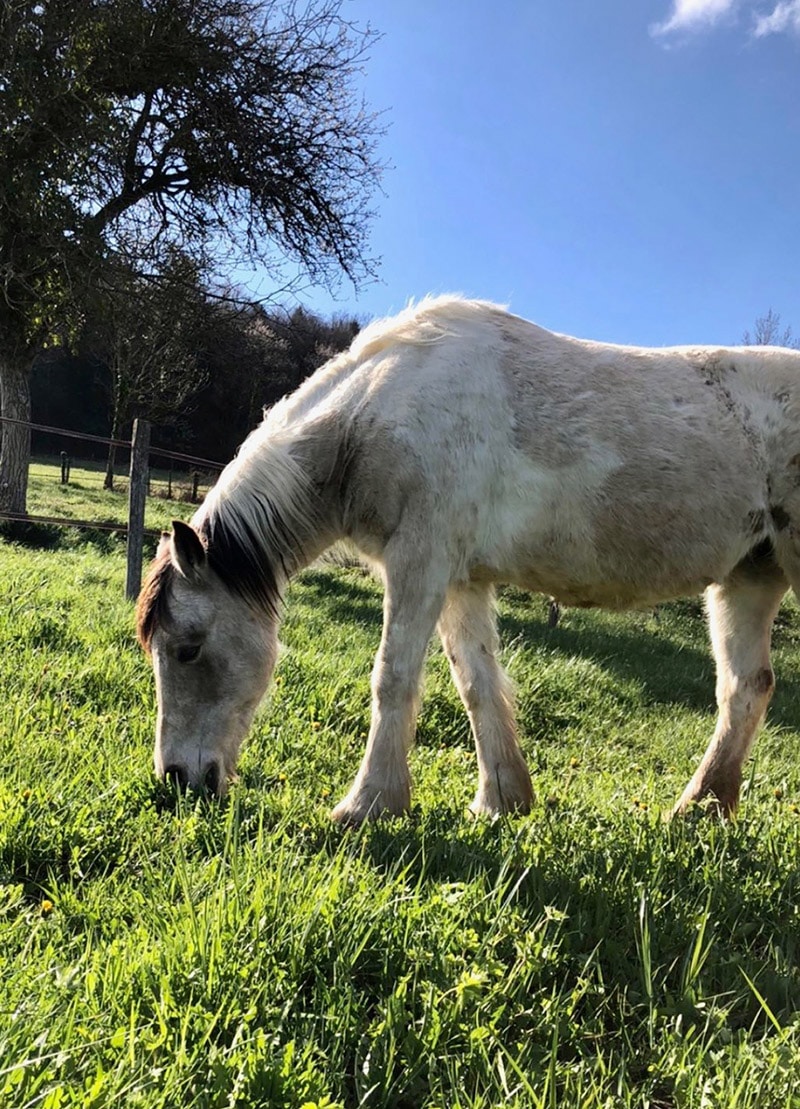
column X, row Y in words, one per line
column 176, row 456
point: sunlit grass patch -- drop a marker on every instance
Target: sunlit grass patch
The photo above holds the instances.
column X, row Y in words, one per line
column 163, row 950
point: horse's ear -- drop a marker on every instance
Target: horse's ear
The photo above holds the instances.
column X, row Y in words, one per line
column 163, row 543
column 186, row 550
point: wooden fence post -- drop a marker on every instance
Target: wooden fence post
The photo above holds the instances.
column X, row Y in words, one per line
column 137, row 496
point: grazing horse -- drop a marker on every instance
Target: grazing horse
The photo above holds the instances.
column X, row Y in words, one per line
column 458, row 446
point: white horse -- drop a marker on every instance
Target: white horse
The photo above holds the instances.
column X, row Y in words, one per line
column 458, row 446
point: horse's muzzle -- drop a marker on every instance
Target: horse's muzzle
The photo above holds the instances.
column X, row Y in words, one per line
column 211, row 780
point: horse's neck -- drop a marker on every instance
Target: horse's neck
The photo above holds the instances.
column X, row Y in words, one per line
column 279, row 490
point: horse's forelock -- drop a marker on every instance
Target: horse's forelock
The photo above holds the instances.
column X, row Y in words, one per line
column 237, row 558
column 152, row 607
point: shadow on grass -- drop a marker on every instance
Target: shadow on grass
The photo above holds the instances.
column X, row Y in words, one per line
column 670, row 672
column 609, row 892
column 38, row 537
column 345, row 597
column 52, row 537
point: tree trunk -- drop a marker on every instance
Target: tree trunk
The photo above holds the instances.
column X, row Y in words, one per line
column 108, row 480
column 15, row 446
column 116, row 424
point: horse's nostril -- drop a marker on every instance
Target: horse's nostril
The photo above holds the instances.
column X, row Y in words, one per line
column 211, row 778
column 176, row 776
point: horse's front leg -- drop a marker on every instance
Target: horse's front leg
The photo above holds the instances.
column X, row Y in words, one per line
column 412, row 602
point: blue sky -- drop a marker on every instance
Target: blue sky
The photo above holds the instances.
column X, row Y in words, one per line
column 615, row 169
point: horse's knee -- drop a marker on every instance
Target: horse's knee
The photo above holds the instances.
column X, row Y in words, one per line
column 394, row 683
column 747, row 695
column 475, row 690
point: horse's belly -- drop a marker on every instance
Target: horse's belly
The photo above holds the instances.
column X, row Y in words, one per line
column 615, row 594
column 591, row 555
column 611, row 590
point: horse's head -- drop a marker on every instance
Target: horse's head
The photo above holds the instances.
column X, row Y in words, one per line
column 213, row 653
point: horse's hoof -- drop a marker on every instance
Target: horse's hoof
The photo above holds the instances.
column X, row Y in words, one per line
column 510, row 792
column 364, row 803
column 499, row 806
column 718, row 796
column 698, row 808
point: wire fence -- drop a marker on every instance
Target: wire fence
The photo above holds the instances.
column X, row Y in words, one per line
column 178, row 475
column 172, row 483
column 70, row 459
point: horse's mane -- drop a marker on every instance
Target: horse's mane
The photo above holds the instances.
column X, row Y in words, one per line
column 257, row 518
column 254, row 525
column 152, row 607
column 424, row 321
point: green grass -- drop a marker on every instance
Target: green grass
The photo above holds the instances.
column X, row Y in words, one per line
column 172, row 952
column 84, row 497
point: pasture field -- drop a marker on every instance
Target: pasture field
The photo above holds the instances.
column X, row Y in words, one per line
column 166, row 951
column 85, row 499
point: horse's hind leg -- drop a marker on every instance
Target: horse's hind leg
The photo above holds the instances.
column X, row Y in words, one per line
column 468, row 631
column 415, row 590
column 741, row 612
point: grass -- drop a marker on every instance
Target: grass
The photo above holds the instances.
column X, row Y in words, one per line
column 84, row 497
column 160, row 951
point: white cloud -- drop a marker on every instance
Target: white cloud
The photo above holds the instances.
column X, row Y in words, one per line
column 693, row 15
column 785, row 17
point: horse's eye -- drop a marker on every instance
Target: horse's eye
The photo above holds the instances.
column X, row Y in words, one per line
column 188, row 653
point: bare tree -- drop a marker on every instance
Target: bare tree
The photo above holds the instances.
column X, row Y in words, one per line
column 768, row 332
column 216, row 125
column 148, row 338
